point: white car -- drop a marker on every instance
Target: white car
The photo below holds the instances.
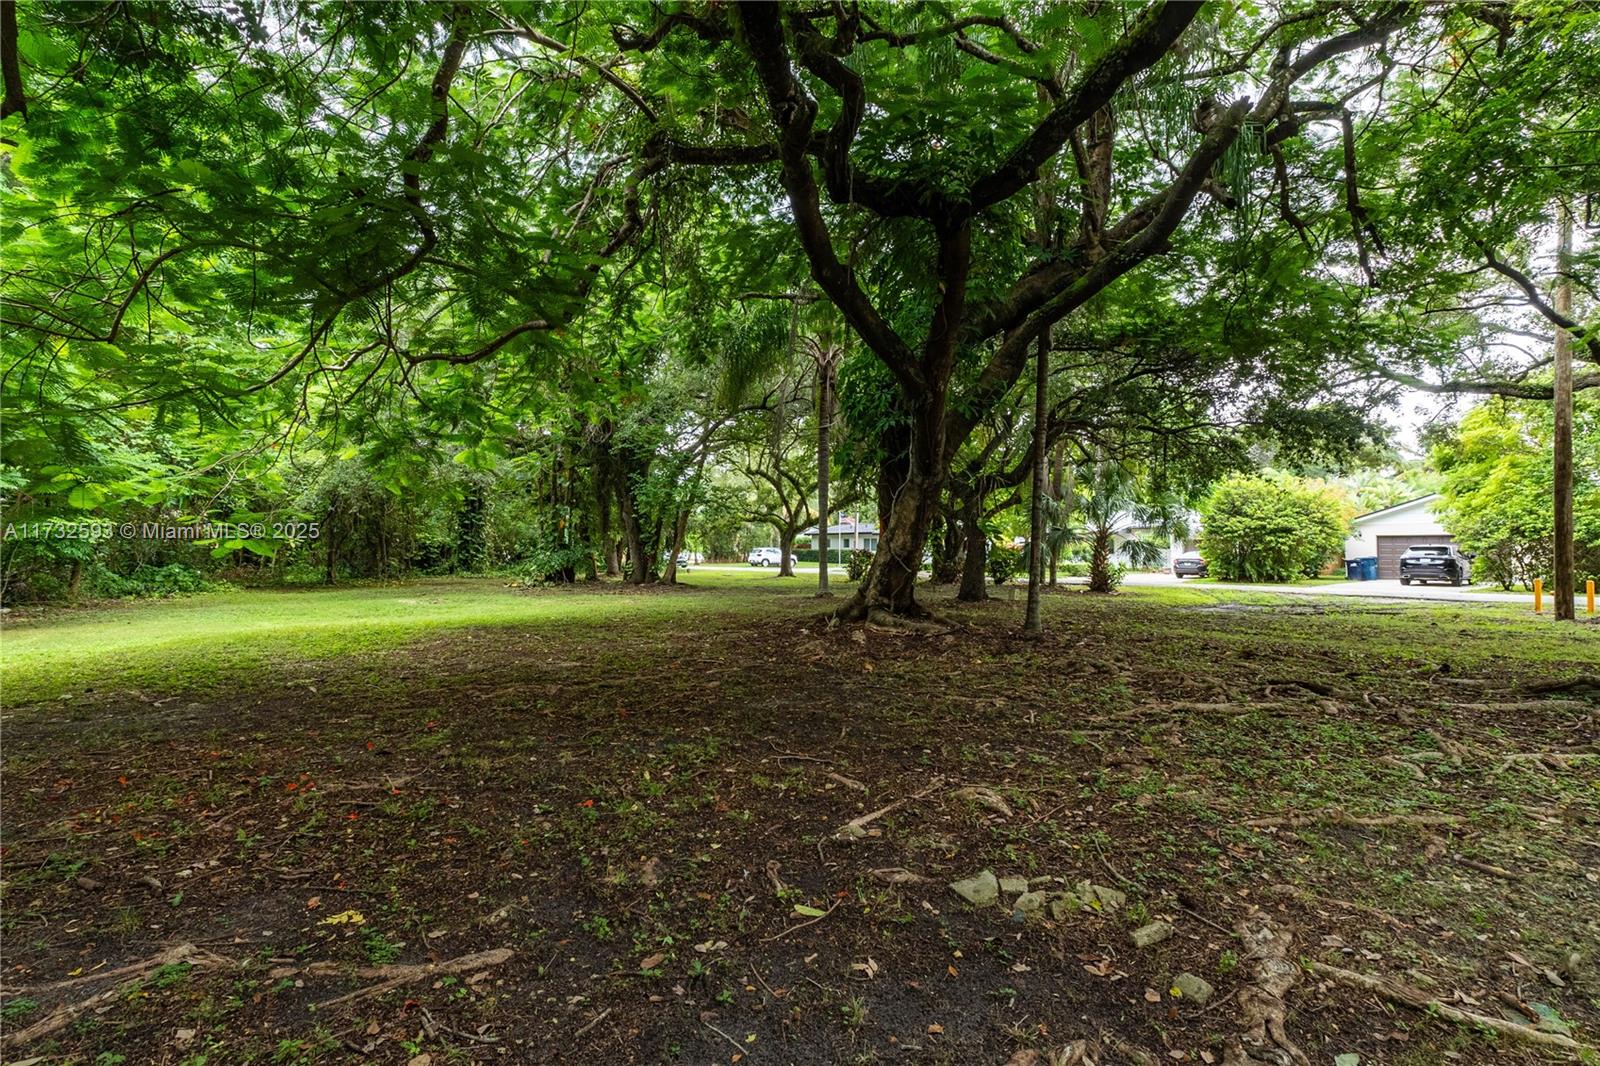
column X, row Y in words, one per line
column 765, row 557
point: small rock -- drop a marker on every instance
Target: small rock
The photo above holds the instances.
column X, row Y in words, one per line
column 1194, row 989
column 980, row 890
column 182, row 1036
column 1154, row 933
column 1065, row 906
column 1100, row 898
column 88, row 884
column 1028, row 905
column 1013, row 886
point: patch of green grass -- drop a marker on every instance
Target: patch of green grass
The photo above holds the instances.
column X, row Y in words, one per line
column 208, row 642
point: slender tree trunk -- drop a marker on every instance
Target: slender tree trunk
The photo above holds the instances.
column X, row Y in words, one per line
column 75, row 579
column 825, row 364
column 680, row 528
column 1564, row 590
column 947, row 553
column 331, row 549
column 1057, row 469
column 608, row 542
column 1031, row 624
column 974, row 576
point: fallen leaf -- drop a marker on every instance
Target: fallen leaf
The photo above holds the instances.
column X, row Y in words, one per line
column 345, row 918
column 650, row 962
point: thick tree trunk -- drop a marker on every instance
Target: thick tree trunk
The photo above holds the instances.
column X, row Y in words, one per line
column 947, row 554
column 680, row 528
column 639, row 573
column 909, row 484
column 1565, row 588
column 1031, row 624
column 786, row 535
column 1100, row 561
column 974, row 570
column 75, row 579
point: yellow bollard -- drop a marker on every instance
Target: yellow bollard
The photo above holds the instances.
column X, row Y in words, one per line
column 1588, row 591
column 1538, row 595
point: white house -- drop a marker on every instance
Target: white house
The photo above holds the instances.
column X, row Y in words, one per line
column 1388, row 532
column 849, row 533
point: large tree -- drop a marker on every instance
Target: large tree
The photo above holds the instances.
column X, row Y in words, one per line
column 500, row 210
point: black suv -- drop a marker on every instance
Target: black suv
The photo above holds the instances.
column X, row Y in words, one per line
column 1435, row 562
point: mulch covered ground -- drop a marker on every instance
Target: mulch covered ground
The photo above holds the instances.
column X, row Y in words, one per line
column 633, row 842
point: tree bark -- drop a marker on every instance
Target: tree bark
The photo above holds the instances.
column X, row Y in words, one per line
column 947, row 554
column 640, row 572
column 786, row 535
column 1100, row 561
column 825, row 370
column 974, row 578
column 1564, row 590
column 1057, row 469
column 1031, row 624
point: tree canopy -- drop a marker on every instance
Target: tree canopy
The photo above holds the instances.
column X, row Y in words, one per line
column 587, row 240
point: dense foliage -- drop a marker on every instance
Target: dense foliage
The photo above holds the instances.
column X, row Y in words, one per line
column 1271, row 528
column 571, row 288
column 1497, row 491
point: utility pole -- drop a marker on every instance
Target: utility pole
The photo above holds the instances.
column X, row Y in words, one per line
column 1564, row 590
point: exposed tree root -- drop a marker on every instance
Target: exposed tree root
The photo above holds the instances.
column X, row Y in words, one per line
column 1312, row 900
column 134, row 973
column 1407, row 996
column 393, row 975
column 985, row 797
column 857, row 827
column 923, row 623
column 1264, row 1041
column 1335, row 816
column 1583, row 683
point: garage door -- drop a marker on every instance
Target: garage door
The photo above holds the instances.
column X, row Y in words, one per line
column 1391, row 548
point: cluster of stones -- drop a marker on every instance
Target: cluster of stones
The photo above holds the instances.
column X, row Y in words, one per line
column 1038, row 897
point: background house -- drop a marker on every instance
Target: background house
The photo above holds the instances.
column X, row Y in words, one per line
column 848, row 534
column 1389, row 531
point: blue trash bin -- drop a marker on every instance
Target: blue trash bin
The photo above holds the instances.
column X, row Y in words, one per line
column 1369, row 568
column 1352, row 569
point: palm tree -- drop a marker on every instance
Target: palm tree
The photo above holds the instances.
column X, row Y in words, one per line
column 1119, row 513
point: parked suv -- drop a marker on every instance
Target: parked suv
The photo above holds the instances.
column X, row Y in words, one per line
column 765, row 557
column 1435, row 562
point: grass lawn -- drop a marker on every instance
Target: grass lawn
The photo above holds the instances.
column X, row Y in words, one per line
column 479, row 823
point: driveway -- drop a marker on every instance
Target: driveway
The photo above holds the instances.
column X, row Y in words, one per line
column 1389, row 589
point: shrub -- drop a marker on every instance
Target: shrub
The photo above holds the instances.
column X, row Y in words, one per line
column 1005, row 563
column 857, row 563
column 1270, row 528
column 174, row 579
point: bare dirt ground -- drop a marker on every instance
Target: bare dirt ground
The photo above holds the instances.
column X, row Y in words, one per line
column 632, row 843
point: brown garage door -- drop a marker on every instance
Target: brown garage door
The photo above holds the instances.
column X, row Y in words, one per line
column 1391, row 548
